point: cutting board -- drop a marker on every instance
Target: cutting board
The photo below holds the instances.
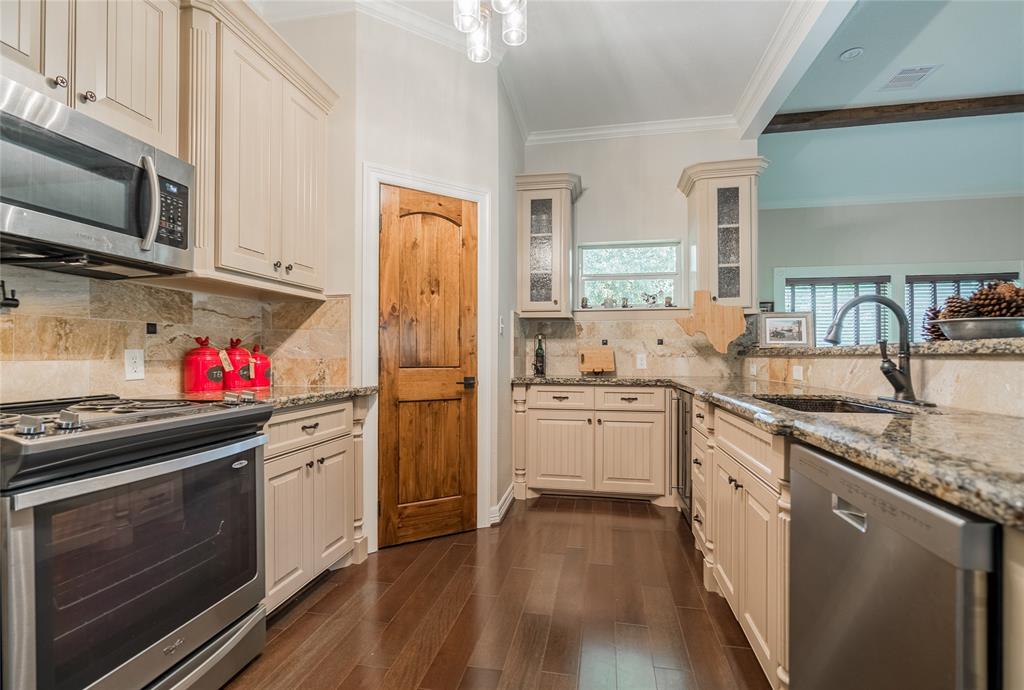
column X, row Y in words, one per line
column 596, row 360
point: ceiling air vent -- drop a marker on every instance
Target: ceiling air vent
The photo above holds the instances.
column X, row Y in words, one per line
column 909, row 77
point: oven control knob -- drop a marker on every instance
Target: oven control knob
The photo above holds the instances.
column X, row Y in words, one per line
column 247, row 397
column 31, row 426
column 69, row 420
column 230, row 399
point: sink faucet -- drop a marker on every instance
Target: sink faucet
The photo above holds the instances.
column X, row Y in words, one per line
column 898, row 373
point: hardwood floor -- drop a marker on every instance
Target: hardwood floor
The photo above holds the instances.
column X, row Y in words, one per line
column 566, row 593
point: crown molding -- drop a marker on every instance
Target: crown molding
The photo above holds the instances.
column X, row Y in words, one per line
column 550, row 180
column 806, row 27
column 517, row 106
column 718, row 169
column 632, row 129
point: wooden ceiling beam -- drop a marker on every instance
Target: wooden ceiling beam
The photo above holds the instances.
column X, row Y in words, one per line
column 900, row 112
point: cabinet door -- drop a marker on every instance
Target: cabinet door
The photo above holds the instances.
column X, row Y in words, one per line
column 543, row 228
column 35, row 40
column 630, row 455
column 730, row 244
column 126, row 67
column 288, row 506
column 560, row 449
column 758, row 576
column 249, row 138
column 725, row 525
column 333, row 488
column 302, row 192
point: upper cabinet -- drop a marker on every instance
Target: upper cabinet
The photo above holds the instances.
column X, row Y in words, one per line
column 115, row 60
column 545, row 233
column 722, row 217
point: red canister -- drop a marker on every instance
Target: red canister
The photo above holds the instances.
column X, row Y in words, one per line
column 203, row 369
column 260, row 368
column 239, row 375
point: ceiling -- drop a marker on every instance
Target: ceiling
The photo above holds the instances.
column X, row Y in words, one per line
column 979, row 45
column 609, row 63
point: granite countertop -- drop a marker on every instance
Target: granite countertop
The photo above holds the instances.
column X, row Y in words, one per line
column 943, row 348
column 298, row 396
column 968, row 459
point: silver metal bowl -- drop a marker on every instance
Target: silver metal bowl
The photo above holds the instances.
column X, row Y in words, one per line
column 985, row 327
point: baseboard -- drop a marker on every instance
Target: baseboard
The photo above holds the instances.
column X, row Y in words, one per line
column 497, row 513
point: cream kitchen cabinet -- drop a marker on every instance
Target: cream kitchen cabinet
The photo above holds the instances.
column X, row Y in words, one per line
column 115, row 60
column 545, row 243
column 309, row 499
column 35, row 45
column 561, row 449
column 630, row 453
column 722, row 224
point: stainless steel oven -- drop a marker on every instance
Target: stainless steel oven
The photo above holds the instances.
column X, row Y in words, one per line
column 111, row 580
column 81, row 197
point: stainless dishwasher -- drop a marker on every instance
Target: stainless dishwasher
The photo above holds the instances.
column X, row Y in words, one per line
column 887, row 589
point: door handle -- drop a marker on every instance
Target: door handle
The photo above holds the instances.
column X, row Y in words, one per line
column 154, row 199
column 849, row 513
column 468, row 382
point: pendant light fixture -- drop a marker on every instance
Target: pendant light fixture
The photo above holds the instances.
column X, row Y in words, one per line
column 474, row 20
column 466, row 15
column 478, row 41
column 513, row 26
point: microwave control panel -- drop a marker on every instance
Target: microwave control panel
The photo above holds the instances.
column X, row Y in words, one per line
column 173, row 229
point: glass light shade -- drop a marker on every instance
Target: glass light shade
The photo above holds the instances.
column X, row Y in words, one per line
column 478, row 41
column 466, row 15
column 506, row 6
column 513, row 26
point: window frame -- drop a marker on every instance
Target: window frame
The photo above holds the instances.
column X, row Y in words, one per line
column 678, row 294
column 883, row 287
column 933, row 278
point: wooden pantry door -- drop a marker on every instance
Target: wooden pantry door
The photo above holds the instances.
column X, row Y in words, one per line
column 428, row 292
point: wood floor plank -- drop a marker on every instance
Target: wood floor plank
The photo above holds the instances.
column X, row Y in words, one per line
column 405, row 623
column 668, row 650
column 681, row 579
column 522, row 670
column 541, row 598
column 562, row 654
column 597, row 645
column 291, row 612
column 629, row 602
column 480, row 679
column 671, row 679
column 727, row 628
column 344, row 656
column 387, row 565
column 410, row 579
column 449, row 664
column 348, row 583
column 708, row 662
column 633, row 664
column 556, row 681
column 492, row 647
column 279, row 652
column 746, row 669
column 363, row 678
column 417, row 656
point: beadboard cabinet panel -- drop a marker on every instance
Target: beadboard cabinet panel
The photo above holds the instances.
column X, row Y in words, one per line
column 759, row 565
column 725, row 527
column 333, row 494
column 630, row 453
column 288, row 496
column 303, row 205
column 560, row 448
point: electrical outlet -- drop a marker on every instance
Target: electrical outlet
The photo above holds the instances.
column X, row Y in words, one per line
column 501, row 325
column 641, row 360
column 134, row 365
column 798, row 372
column 753, row 369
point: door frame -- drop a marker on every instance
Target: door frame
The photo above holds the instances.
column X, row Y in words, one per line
column 487, row 309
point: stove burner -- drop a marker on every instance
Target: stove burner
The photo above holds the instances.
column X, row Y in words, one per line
column 96, row 406
column 8, row 420
column 127, row 406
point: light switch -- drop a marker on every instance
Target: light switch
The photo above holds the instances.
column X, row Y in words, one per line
column 501, row 325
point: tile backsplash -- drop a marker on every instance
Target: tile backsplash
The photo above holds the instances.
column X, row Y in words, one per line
column 69, row 335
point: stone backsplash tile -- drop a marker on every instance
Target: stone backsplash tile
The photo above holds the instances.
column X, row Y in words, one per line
column 134, row 301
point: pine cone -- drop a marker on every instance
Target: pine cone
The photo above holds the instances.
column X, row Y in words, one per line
column 998, row 299
column 931, row 330
column 959, row 308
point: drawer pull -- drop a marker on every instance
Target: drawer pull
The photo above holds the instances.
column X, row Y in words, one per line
column 699, row 415
column 698, row 520
column 560, row 397
column 311, row 427
column 697, row 462
column 629, row 398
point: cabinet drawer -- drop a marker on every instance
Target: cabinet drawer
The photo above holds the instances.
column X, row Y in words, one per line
column 699, row 462
column 703, row 417
column 639, row 399
column 759, row 451
column 290, row 430
column 700, row 507
column 560, row 397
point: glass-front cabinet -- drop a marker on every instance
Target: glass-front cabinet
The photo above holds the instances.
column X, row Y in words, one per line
column 722, row 214
column 545, row 221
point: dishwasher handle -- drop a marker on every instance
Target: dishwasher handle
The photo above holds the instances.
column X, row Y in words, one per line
column 849, row 513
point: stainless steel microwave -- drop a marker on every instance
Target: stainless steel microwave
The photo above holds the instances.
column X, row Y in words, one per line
column 80, row 197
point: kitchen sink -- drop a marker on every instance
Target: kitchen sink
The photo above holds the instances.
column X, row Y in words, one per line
column 828, row 405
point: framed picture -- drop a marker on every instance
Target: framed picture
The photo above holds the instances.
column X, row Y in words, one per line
column 786, row 329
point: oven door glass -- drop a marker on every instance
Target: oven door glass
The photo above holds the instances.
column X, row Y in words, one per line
column 117, row 570
column 45, row 172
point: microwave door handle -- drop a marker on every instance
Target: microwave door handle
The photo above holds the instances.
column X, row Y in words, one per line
column 154, row 208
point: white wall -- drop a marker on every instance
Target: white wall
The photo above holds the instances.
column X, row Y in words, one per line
column 629, row 184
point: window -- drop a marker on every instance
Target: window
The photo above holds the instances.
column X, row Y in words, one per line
column 641, row 274
column 925, row 291
column 823, row 297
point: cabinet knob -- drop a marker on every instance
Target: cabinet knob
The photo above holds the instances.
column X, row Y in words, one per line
column 289, row 268
column 321, row 461
column 698, row 520
column 732, row 481
column 89, row 96
column 714, row 298
column 556, row 301
column 737, row 486
column 699, row 415
column 60, row 81
column 697, row 462
column 600, row 422
column 277, row 265
column 309, row 464
column 589, row 420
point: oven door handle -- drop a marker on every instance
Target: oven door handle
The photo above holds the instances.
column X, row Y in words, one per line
column 59, row 492
column 154, row 207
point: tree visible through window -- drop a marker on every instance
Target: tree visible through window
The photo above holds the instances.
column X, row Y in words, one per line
column 823, row 296
column 641, row 274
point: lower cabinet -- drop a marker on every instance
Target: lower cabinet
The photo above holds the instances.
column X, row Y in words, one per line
column 759, row 569
column 560, row 444
column 630, row 452
column 308, row 506
column 725, row 526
